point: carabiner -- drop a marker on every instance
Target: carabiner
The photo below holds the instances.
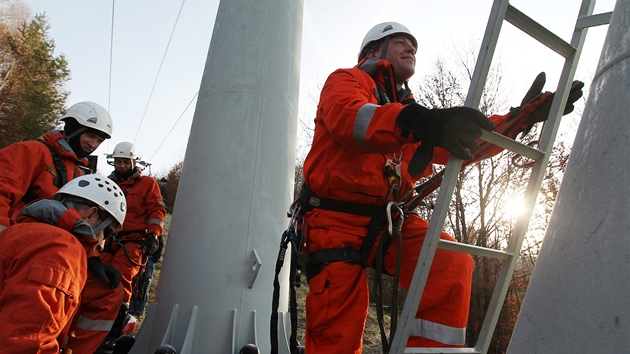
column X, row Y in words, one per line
column 390, row 222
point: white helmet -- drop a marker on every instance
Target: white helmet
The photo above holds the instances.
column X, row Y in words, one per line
column 126, row 150
column 383, row 30
column 91, row 115
column 102, row 191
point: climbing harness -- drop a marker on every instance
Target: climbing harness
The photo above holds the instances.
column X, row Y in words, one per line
column 292, row 235
column 393, row 231
column 116, row 240
column 386, row 221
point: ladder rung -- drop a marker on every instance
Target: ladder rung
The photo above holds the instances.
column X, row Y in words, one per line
column 538, row 32
column 512, row 145
column 593, row 20
column 476, row 250
column 442, row 350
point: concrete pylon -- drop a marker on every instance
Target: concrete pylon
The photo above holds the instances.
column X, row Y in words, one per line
column 216, row 280
column 578, row 297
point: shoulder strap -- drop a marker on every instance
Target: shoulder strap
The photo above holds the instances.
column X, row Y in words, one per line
column 60, row 177
column 62, row 174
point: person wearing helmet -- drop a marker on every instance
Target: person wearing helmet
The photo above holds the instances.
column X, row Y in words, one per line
column 44, row 260
column 372, row 142
column 141, row 234
column 34, row 170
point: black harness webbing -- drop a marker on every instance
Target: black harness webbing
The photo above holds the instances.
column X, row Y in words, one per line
column 317, row 259
column 62, row 173
column 60, row 177
column 287, row 237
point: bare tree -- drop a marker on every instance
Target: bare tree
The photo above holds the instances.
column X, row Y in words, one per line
column 13, row 13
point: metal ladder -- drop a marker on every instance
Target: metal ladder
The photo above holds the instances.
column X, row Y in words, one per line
column 501, row 11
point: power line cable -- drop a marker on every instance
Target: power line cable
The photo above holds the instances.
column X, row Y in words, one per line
column 173, row 127
column 111, row 53
column 160, row 69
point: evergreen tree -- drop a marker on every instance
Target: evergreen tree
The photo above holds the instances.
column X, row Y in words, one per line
column 31, row 81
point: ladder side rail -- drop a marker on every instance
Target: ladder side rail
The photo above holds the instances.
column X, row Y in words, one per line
column 507, row 267
column 486, row 52
column 550, row 129
column 548, row 136
column 425, row 260
column 430, row 245
column 447, row 188
column 538, row 32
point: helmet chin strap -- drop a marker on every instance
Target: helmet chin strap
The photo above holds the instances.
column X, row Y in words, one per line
column 76, row 133
column 384, row 54
column 384, row 48
column 75, row 142
column 98, row 228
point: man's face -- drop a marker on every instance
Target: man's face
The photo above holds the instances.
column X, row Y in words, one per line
column 401, row 54
column 90, row 142
column 122, row 165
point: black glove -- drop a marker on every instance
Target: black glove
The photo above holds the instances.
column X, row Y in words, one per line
column 107, row 274
column 150, row 244
column 455, row 129
column 542, row 112
column 157, row 256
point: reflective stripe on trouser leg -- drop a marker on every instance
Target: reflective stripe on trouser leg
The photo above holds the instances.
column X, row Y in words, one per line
column 442, row 316
column 94, row 325
column 438, row 332
column 97, row 313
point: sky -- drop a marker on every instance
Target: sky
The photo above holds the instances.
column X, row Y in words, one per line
column 143, row 59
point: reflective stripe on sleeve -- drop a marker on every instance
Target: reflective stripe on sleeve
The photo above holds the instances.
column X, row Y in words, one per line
column 361, row 124
column 156, row 222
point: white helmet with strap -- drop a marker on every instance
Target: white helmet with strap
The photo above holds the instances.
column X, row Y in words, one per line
column 126, row 150
column 91, row 115
column 101, row 191
column 383, row 30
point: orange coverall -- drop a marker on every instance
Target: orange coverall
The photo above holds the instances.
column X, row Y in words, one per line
column 355, row 134
column 145, row 215
column 42, row 271
column 28, row 172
